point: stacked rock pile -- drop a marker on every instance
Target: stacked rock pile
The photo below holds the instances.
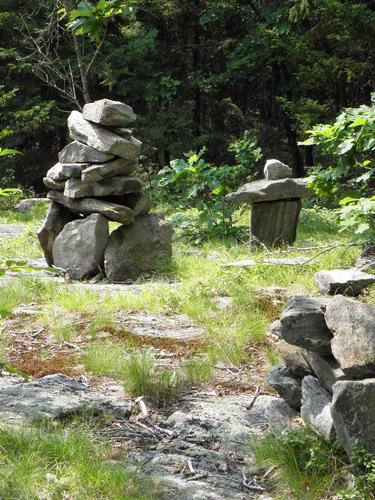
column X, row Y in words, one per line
column 275, row 205
column 328, row 346
column 93, row 183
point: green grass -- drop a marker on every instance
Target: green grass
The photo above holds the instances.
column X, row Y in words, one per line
column 198, row 370
column 143, row 378
column 105, row 359
column 56, row 462
column 307, row 465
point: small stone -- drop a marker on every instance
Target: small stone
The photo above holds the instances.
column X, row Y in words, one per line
column 64, row 171
column 77, row 152
column 343, row 281
column 137, row 249
column 87, row 206
column 24, row 206
column 303, row 324
column 109, row 113
column 79, row 248
column 54, row 185
column 286, row 384
column 113, row 186
column 293, row 358
column 316, row 407
column 102, row 139
column 366, row 264
column 143, row 205
column 275, row 169
column 353, row 326
column 326, row 368
column 56, row 218
column 112, row 168
column 353, row 413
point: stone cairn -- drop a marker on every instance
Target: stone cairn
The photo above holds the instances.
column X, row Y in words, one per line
column 328, row 347
column 91, row 185
column 275, row 205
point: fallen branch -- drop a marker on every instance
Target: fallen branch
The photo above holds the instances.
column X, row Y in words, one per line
column 254, row 398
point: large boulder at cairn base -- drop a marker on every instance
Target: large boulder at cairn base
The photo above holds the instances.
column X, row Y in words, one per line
column 87, row 206
column 316, row 407
column 137, row 249
column 343, row 281
column 303, row 324
column 79, row 248
column 109, row 113
column 77, row 152
column 267, row 190
column 64, row 171
column 56, row 218
column 112, row 168
column 102, row 139
column 114, row 186
column 353, row 413
column 286, row 384
column 353, row 326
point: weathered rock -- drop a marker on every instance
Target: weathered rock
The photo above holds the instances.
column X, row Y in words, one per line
column 143, row 205
column 79, row 248
column 126, row 133
column 326, row 368
column 120, row 185
column 173, row 328
column 303, row 324
column 112, row 168
column 353, row 326
column 11, row 230
column 293, row 358
column 87, row 206
column 102, row 139
column 27, row 204
column 213, row 434
column 353, row 413
column 275, row 329
column 109, row 113
column 264, row 190
column 77, row 152
column 366, row 264
column 54, row 185
column 64, row 171
column 286, row 384
column 275, row 169
column 344, row 281
column 274, row 223
column 143, row 247
column 316, row 407
column 56, row 218
column 55, row 397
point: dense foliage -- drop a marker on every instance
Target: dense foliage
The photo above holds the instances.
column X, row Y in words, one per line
column 199, row 73
column 348, row 146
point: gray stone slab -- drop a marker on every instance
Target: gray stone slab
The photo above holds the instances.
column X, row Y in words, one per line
column 343, row 281
column 77, row 152
column 265, row 190
column 316, row 407
column 55, row 397
column 11, row 230
column 109, row 113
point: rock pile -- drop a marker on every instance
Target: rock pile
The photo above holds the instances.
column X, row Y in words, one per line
column 328, row 345
column 93, row 183
column 275, row 205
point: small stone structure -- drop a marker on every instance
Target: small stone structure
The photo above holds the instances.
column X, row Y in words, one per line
column 275, row 205
column 94, row 183
column 328, row 346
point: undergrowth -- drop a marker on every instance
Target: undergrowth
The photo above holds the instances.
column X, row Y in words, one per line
column 51, row 461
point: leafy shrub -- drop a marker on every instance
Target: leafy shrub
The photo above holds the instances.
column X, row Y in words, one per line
column 192, row 183
column 363, row 467
column 350, row 143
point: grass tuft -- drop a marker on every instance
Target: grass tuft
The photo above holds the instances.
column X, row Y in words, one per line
column 105, row 359
column 55, row 462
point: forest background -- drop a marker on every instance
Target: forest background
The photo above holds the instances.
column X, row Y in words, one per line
column 198, row 73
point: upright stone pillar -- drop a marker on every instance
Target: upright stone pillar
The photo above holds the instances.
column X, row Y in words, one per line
column 275, row 204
